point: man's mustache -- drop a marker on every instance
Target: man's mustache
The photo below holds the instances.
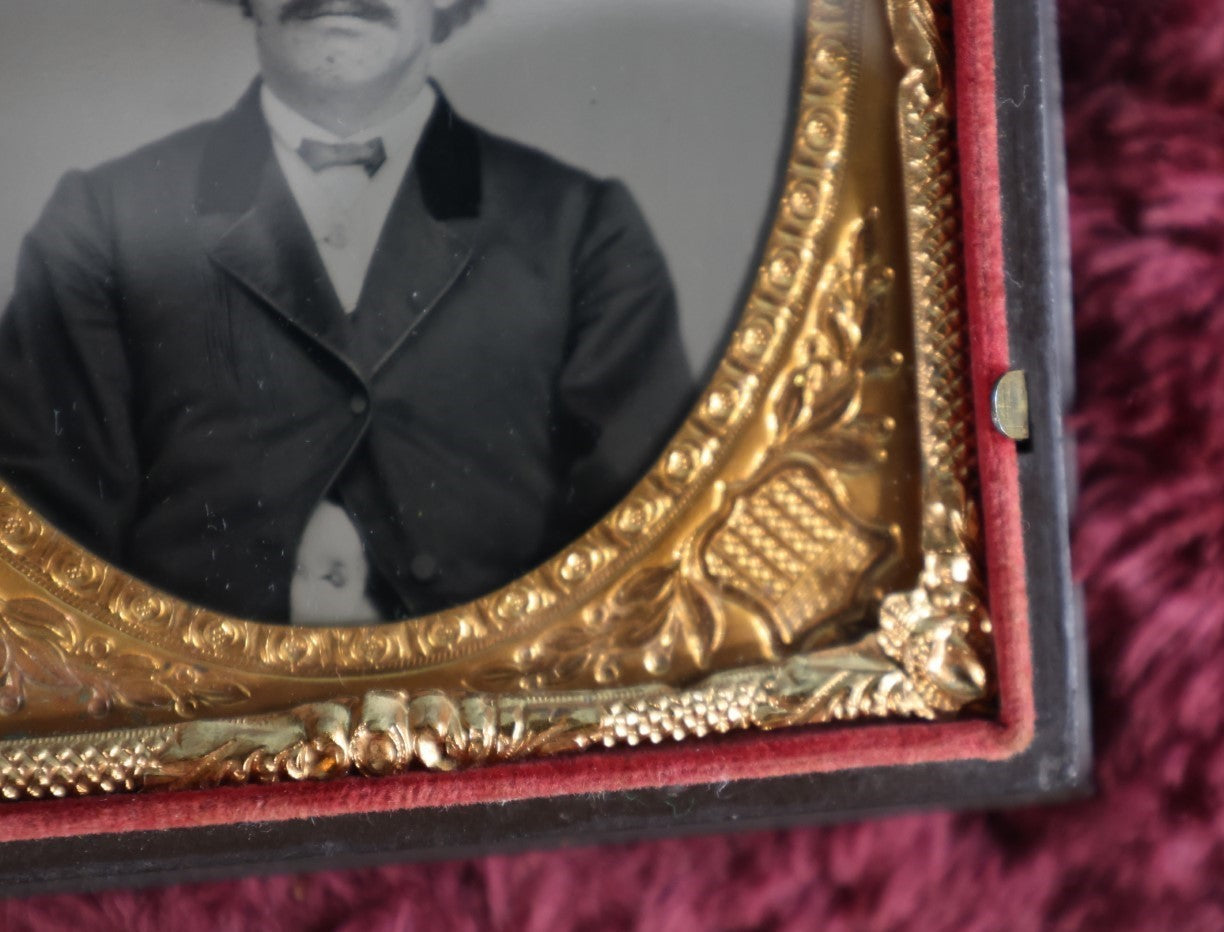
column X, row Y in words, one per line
column 373, row 10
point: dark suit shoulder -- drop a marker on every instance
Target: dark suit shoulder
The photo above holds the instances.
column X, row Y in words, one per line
column 520, row 174
column 545, row 196
column 170, row 156
column 522, row 163
column 155, row 170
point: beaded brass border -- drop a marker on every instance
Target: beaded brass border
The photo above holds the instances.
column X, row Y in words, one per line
column 643, row 598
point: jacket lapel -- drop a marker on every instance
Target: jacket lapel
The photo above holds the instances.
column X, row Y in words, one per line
column 255, row 232
column 428, row 239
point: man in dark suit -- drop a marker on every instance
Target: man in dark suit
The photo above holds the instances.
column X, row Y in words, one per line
column 338, row 355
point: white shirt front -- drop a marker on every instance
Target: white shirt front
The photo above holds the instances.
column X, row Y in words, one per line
column 344, row 207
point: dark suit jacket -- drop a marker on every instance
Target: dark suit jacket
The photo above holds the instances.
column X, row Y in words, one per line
column 179, row 387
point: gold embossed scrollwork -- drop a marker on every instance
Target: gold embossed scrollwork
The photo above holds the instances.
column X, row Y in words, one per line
column 784, row 543
column 921, row 663
column 45, row 653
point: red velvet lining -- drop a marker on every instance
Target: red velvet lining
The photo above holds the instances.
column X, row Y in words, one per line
column 743, row 756
column 987, row 303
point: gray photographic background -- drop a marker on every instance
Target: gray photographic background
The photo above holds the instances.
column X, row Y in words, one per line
column 685, row 100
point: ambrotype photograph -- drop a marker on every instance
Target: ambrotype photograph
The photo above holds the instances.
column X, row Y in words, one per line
column 400, row 384
column 294, row 333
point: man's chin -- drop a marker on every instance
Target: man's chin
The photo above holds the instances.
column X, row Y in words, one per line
column 339, row 76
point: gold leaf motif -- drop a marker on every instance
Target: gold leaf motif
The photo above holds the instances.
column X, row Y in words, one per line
column 581, row 562
column 658, row 612
column 42, row 649
column 728, row 400
column 149, row 683
column 518, row 603
column 640, row 513
column 369, row 647
column 830, row 57
column 82, row 574
column 36, row 647
column 783, row 268
column 138, row 605
column 293, row 647
column 19, row 532
column 820, row 129
column 754, row 339
column 448, row 632
column 217, row 635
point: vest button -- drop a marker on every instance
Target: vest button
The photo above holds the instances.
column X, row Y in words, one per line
column 423, row 567
column 359, row 404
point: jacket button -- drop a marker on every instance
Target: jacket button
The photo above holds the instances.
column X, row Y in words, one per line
column 423, row 567
column 359, row 404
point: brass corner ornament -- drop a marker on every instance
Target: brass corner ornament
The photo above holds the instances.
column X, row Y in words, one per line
column 767, row 573
column 923, row 662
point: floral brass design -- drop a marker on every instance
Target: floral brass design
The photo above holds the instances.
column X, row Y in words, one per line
column 920, row 664
column 42, row 649
column 784, row 543
column 748, row 581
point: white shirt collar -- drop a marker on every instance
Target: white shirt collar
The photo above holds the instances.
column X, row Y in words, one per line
column 400, row 132
column 346, row 208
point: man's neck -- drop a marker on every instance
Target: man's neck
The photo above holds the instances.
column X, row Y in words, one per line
column 349, row 111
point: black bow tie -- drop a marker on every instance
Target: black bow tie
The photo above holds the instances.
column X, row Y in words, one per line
column 320, row 155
